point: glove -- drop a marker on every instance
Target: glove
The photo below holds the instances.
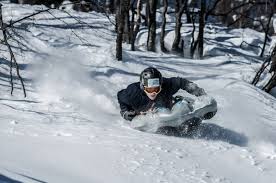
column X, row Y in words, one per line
column 177, row 99
column 200, row 92
column 129, row 115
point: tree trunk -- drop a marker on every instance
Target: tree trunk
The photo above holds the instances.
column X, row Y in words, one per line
column 122, row 8
column 119, row 42
column 271, row 84
column 201, row 28
column 126, row 34
column 193, row 42
column 126, row 23
column 177, row 26
column 261, row 70
column 162, row 36
column 117, row 14
column 137, row 26
column 271, row 60
column 120, row 30
column 188, row 14
column 179, row 9
column 266, row 33
column 152, row 5
column 110, row 6
column 132, row 23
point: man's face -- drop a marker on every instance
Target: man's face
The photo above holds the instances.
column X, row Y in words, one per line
column 152, row 92
column 152, row 96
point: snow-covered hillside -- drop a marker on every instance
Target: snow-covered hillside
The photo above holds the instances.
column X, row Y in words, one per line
column 69, row 130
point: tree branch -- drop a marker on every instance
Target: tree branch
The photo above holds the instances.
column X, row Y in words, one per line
column 237, row 7
column 12, row 59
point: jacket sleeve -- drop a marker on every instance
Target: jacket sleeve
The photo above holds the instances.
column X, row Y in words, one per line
column 184, row 84
column 124, row 99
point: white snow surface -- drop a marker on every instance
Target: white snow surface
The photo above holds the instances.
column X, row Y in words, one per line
column 69, row 130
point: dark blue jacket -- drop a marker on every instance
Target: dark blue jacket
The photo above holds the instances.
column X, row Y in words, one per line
column 133, row 98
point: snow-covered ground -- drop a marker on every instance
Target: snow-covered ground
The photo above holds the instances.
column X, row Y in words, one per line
column 68, row 129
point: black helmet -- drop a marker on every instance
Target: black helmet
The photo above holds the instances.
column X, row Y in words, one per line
column 150, row 77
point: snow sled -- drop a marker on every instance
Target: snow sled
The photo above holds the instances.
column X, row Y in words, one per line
column 183, row 111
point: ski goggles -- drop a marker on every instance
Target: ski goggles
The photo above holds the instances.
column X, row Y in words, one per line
column 152, row 89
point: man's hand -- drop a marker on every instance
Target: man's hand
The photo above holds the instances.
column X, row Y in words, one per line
column 200, row 92
column 129, row 115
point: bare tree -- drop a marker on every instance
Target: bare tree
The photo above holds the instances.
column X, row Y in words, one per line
column 194, row 42
column 266, row 28
column 127, row 26
column 179, row 9
column 110, row 6
column 137, row 24
column 12, row 57
column 272, row 82
column 257, row 77
column 10, row 27
column 122, row 8
column 78, row 5
column 198, row 44
column 132, row 22
column 201, row 28
column 249, row 13
column 119, row 30
column 270, row 61
column 212, row 8
column 151, row 11
column 188, row 13
column 48, row 3
column 163, row 26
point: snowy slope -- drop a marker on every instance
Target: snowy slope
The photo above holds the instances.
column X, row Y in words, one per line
column 69, row 129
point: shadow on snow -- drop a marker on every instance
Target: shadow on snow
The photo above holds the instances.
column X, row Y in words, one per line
column 6, row 179
column 209, row 131
column 31, row 178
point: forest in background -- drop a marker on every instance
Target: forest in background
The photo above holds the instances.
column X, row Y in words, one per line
column 131, row 15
